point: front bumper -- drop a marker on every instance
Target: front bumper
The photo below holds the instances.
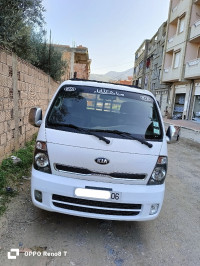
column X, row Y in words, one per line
column 58, row 196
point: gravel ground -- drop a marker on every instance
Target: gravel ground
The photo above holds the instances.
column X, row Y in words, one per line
column 172, row 239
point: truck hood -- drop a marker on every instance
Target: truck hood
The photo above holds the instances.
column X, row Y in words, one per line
column 74, row 155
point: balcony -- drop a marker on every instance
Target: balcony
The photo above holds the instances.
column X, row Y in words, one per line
column 175, row 40
column 195, row 31
column 151, row 49
column 178, row 10
column 163, row 38
column 171, row 74
column 192, row 69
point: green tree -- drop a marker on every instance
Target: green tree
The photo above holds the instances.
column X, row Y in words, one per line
column 46, row 57
column 56, row 65
column 17, row 17
column 18, row 20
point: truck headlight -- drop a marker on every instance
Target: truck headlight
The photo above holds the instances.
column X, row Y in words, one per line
column 159, row 173
column 41, row 158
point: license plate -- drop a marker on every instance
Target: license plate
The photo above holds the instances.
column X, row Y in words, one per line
column 97, row 194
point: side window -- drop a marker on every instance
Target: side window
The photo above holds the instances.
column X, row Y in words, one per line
column 181, row 24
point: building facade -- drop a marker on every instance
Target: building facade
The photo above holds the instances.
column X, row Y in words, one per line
column 78, row 62
column 181, row 63
column 154, row 66
column 128, row 81
column 148, row 65
column 140, row 64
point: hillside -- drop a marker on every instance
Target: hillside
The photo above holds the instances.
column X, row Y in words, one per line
column 112, row 75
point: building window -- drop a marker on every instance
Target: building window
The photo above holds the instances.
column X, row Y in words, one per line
column 141, row 64
column 146, row 80
column 196, row 111
column 148, row 62
column 179, row 106
column 159, row 74
column 181, row 24
column 142, row 49
column 162, row 50
column 149, row 47
column 164, row 30
column 198, row 52
column 176, row 59
column 137, row 70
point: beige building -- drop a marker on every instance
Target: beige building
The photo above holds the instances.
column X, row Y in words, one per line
column 181, row 64
column 78, row 62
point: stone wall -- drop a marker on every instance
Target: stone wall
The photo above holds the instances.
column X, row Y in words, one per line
column 22, row 86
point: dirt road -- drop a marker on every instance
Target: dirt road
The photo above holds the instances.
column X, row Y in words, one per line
column 172, row 239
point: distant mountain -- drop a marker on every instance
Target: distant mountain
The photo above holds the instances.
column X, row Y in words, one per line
column 112, row 75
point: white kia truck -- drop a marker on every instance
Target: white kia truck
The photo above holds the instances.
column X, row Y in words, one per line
column 101, row 152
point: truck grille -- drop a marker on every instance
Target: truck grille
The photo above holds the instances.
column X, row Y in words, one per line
column 97, row 207
column 85, row 171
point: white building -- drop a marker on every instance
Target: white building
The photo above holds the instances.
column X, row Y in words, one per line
column 181, row 64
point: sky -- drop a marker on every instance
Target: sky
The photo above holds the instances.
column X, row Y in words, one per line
column 112, row 30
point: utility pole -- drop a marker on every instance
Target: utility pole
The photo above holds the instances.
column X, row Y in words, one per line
column 49, row 61
column 49, row 66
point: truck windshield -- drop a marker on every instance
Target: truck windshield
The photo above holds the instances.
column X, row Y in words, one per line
column 105, row 111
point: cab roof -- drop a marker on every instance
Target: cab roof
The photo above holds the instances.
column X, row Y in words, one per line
column 107, row 85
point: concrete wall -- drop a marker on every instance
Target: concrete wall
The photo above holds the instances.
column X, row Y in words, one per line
column 195, row 14
column 175, row 3
column 22, row 86
column 191, row 51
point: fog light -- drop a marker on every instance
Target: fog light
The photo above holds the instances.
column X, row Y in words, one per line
column 154, row 209
column 38, row 195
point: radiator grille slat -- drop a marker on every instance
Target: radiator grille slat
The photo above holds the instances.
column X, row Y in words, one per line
column 85, row 171
column 97, row 211
column 84, row 205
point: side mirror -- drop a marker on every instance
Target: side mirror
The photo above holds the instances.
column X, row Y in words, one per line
column 35, row 117
column 173, row 134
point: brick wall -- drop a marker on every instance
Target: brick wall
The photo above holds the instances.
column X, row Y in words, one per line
column 81, row 70
column 22, row 86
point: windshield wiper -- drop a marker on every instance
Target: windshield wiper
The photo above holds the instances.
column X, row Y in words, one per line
column 84, row 130
column 128, row 135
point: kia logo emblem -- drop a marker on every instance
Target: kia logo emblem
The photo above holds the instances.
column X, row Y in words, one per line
column 102, row 161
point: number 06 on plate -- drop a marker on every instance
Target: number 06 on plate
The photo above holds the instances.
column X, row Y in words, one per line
column 97, row 194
